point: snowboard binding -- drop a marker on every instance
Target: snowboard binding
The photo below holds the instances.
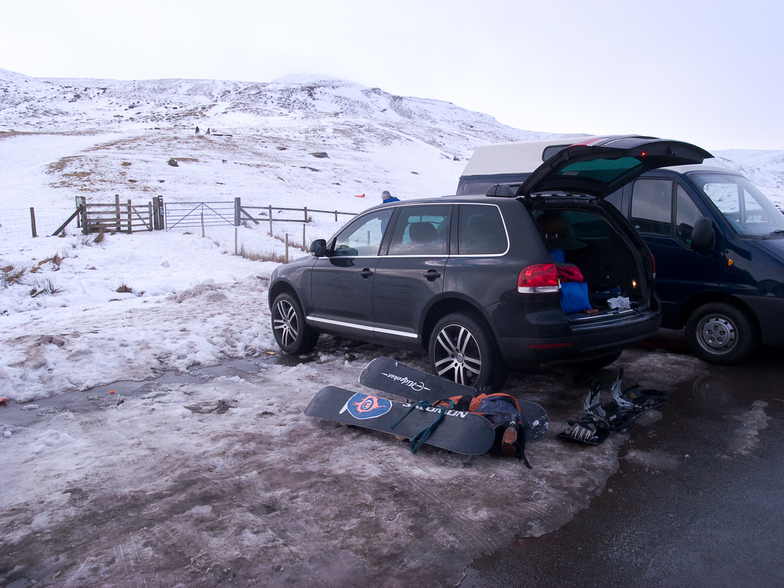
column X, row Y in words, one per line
column 603, row 420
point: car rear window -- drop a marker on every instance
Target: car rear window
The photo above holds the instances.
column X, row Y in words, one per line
column 604, row 171
column 481, row 230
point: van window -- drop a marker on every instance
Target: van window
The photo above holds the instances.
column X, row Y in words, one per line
column 686, row 214
column 481, row 230
column 747, row 210
column 651, row 210
column 421, row 230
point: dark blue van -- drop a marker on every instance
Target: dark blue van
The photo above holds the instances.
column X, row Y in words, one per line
column 718, row 243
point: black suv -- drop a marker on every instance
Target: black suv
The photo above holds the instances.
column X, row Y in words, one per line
column 546, row 271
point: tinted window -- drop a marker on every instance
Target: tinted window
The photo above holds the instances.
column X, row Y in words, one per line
column 481, row 230
column 605, row 171
column 421, row 230
column 363, row 236
column 651, row 210
column 686, row 213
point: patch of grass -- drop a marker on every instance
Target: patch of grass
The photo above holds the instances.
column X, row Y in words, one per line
column 124, row 289
column 45, row 286
column 12, row 275
column 55, row 260
column 263, row 256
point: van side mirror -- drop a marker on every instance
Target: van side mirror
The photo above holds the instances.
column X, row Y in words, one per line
column 319, row 247
column 703, row 236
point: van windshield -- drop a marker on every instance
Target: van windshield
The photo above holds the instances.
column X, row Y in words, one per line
column 746, row 209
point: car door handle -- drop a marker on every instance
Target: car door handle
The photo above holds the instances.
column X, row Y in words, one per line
column 366, row 272
column 432, row 274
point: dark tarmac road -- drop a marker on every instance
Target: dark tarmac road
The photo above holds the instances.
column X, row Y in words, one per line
column 711, row 513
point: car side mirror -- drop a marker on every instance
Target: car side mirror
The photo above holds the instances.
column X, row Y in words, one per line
column 703, row 236
column 319, row 247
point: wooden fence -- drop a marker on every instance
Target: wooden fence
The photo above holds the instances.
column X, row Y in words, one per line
column 126, row 217
column 120, row 217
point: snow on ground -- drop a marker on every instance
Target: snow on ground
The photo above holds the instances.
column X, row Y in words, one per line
column 128, row 307
column 152, row 433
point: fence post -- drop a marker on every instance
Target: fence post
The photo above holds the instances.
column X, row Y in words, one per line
column 130, row 218
column 117, row 212
column 304, row 224
column 79, row 200
column 156, row 211
column 270, row 217
column 287, row 247
column 149, row 214
column 237, row 209
column 32, row 221
column 83, row 215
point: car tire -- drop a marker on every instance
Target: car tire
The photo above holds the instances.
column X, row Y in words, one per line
column 288, row 325
column 720, row 333
column 462, row 350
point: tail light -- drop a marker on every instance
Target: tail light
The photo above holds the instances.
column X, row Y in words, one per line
column 653, row 265
column 542, row 277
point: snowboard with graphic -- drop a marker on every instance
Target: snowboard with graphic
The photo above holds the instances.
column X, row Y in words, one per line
column 458, row 431
column 394, row 377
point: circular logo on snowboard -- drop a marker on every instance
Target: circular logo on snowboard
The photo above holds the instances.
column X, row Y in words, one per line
column 361, row 406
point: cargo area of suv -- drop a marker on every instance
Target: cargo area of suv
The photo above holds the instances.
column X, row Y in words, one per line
column 611, row 266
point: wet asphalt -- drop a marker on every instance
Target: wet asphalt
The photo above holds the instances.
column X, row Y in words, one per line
column 704, row 506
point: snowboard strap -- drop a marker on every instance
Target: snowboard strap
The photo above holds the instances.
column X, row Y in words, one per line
column 418, row 440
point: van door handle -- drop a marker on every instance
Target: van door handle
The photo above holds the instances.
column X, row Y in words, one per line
column 366, row 273
column 432, row 274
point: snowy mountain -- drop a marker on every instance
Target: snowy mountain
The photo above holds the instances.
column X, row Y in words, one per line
column 268, row 143
column 297, row 139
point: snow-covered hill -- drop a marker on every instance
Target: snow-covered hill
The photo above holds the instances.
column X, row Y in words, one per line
column 281, row 143
column 298, row 141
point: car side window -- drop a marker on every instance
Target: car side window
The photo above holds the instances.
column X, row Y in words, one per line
column 686, row 214
column 481, row 230
column 651, row 209
column 363, row 237
column 421, row 230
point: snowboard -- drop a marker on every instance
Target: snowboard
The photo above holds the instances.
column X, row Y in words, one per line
column 394, row 377
column 601, row 421
column 458, row 431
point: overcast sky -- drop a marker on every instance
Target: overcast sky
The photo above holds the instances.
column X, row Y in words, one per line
column 710, row 72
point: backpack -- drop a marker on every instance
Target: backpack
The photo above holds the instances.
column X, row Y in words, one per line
column 503, row 411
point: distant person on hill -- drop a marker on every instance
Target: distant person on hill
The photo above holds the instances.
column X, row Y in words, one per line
column 387, row 197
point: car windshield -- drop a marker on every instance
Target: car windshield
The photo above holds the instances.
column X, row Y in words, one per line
column 746, row 209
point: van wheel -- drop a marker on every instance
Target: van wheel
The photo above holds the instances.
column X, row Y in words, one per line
column 720, row 333
column 463, row 350
column 288, row 325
